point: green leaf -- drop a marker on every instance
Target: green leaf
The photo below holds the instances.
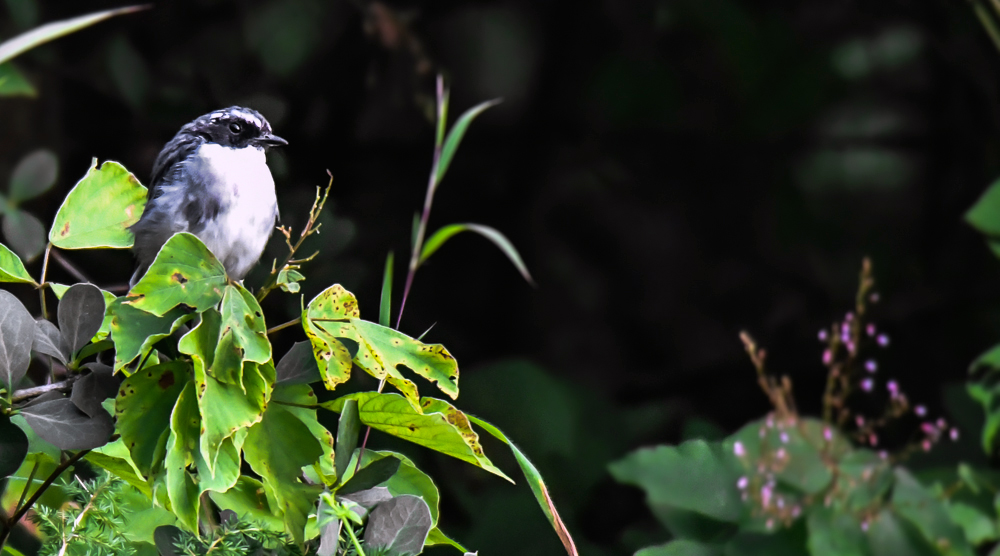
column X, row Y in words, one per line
column 13, row 447
column 296, row 395
column 202, row 341
column 277, row 448
column 247, row 498
column 455, row 136
column 695, row 476
column 229, row 408
column 369, row 476
column 441, row 428
column 890, row 534
column 114, row 457
column 437, row 537
column 35, row 174
column 444, row 234
column 288, row 280
column 99, row 210
column 915, row 504
column 184, row 273
column 13, row 83
column 25, row 233
column 11, row 267
column 537, row 485
column 143, row 408
column 833, row 533
column 50, row 31
column 682, row 547
column 134, row 332
column 385, row 302
column 984, row 216
column 181, row 487
column 243, row 335
column 347, row 436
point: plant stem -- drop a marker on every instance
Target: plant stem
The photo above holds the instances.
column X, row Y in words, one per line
column 26, row 393
column 63, row 262
column 27, row 484
column 354, row 539
column 42, row 283
column 12, row 520
column 284, row 326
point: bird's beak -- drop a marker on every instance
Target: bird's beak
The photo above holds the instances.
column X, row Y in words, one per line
column 271, row 141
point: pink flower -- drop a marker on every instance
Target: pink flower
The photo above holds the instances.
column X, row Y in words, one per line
column 870, row 329
column 953, row 433
column 867, row 384
column 823, row 335
column 871, row 366
column 742, row 483
column 738, row 449
column 827, row 357
column 827, row 434
column 883, row 340
column 920, row 410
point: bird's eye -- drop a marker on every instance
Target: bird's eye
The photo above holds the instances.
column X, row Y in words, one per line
column 235, row 128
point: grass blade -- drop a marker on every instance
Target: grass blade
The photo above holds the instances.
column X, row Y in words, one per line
column 456, row 134
column 385, row 307
column 51, row 31
column 444, row 234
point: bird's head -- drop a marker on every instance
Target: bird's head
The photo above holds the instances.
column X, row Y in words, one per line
column 236, row 127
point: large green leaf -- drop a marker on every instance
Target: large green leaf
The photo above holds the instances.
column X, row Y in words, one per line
column 302, row 395
column 444, row 234
column 914, row 503
column 143, row 408
column 537, row 485
column 135, row 331
column 695, row 476
column 229, row 408
column 184, row 273
column 50, row 31
column 833, row 533
column 394, row 349
column 332, row 356
column 11, row 267
column 247, row 498
column 181, row 487
column 441, row 428
column 243, row 335
column 277, row 448
column 99, row 210
column 35, row 174
column 407, row 479
column 114, row 457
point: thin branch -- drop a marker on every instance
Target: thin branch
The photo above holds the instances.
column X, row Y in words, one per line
column 43, row 283
column 27, row 484
column 284, row 326
column 14, row 519
column 63, row 262
column 79, row 518
column 62, row 386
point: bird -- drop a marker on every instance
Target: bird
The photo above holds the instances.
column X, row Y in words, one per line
column 212, row 180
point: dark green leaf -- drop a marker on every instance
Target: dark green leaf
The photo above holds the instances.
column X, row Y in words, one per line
column 99, row 209
column 13, row 83
column 681, row 547
column 81, row 311
column 35, row 174
column 49, row 31
column 455, row 135
column 247, row 498
column 444, row 234
column 277, row 448
column 385, row 302
column 243, row 335
column 165, row 537
column 441, row 427
column 695, row 476
column 25, row 233
column 90, row 391
column 833, row 533
column 128, row 70
column 985, row 214
column 134, row 332
column 144, row 405
column 185, row 273
column 11, row 267
column 298, row 366
column 890, row 534
column 300, row 401
column 347, row 435
column 407, row 479
column 17, row 331
column 13, row 446
column 372, row 475
column 66, row 427
column 915, row 504
column 400, row 524
column 181, row 488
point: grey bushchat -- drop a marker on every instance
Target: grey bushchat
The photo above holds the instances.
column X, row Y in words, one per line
column 212, row 180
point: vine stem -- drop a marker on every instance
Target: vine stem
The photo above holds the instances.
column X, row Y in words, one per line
column 12, row 520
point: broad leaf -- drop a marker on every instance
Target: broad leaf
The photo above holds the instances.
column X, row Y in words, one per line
column 115, row 458
column 407, row 479
column 25, row 233
column 347, row 436
column 184, row 273
column 370, row 476
column 332, row 357
column 228, row 408
column 833, row 533
column 247, row 498
column 35, row 174
column 17, row 331
column 537, row 485
column 38, row 449
column 181, row 445
column 394, row 349
column 298, row 400
column 99, row 209
column 50, row 31
column 90, row 391
column 143, row 408
column 13, row 447
column 298, row 366
column 400, row 525
column 243, row 335
column 11, row 267
column 437, row 537
column 455, row 135
column 134, row 332
column 81, row 312
column 66, row 427
column 443, row 429
column 109, row 298
column 48, row 340
column 444, row 234
column 914, row 503
column 277, row 448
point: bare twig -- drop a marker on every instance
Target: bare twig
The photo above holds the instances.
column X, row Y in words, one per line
column 63, row 262
column 284, row 326
column 62, row 386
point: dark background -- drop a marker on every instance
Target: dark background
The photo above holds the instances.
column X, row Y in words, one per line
column 672, row 172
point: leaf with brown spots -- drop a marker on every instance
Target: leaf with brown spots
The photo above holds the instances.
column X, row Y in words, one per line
column 394, row 349
column 143, row 407
column 332, row 357
column 440, row 427
column 185, row 272
column 99, row 209
column 134, row 331
column 227, row 409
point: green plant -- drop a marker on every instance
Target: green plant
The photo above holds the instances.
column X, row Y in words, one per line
column 198, row 396
column 789, row 484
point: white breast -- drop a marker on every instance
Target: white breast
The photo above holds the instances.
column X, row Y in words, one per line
column 242, row 179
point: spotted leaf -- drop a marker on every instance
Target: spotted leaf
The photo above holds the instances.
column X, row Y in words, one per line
column 99, row 209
